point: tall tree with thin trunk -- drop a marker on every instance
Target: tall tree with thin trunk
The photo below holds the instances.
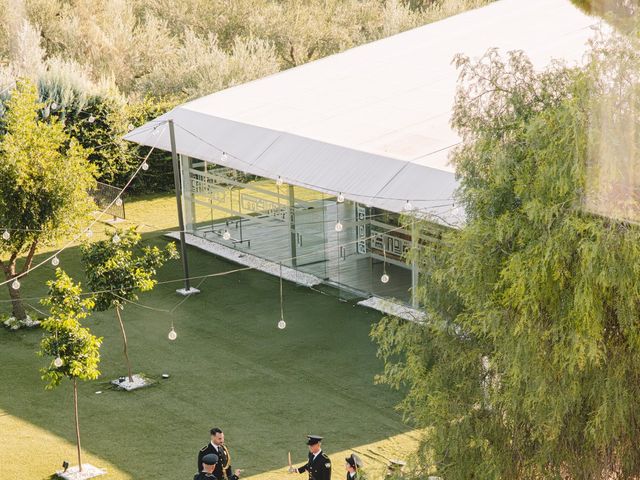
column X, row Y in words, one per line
column 118, row 269
column 74, row 350
column 44, row 180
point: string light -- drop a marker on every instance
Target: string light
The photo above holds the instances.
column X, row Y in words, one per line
column 16, row 284
column 91, row 119
column 226, row 235
column 145, row 166
column 119, row 201
column 172, row 334
column 155, row 131
column 384, row 278
column 6, row 235
column 340, row 198
column 338, row 226
column 58, row 362
column 282, row 324
column 407, row 206
column 224, row 157
column 279, row 181
column 54, row 106
column 115, row 238
column 55, row 261
column 130, row 127
column 88, row 232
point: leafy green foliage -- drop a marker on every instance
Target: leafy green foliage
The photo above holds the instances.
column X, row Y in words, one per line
column 67, row 339
column 528, row 365
column 44, row 180
column 117, row 271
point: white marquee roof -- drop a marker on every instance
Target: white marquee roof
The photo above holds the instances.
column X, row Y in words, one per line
column 371, row 122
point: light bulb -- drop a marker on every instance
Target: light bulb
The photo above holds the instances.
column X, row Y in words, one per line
column 16, row 284
column 54, row 106
column 118, row 201
column 6, row 235
column 88, row 232
column 340, row 198
column 155, row 131
column 91, row 119
column 279, row 181
column 282, row 324
column 115, row 238
column 130, row 127
column 338, row 227
column 224, row 157
column 226, row 235
column 172, row 334
column 55, row 261
column 384, row 278
column 408, row 207
column 145, row 166
column 58, row 362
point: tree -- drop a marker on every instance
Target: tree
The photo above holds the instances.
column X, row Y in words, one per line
column 44, row 180
column 528, row 365
column 118, row 269
column 75, row 351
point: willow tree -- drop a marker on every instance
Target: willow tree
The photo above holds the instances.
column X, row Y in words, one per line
column 44, row 180
column 118, row 269
column 74, row 351
column 529, row 363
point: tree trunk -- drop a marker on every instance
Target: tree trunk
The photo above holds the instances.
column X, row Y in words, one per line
column 124, row 339
column 18, row 310
column 75, row 408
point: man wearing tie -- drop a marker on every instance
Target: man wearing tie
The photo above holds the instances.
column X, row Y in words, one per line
column 222, row 469
column 319, row 464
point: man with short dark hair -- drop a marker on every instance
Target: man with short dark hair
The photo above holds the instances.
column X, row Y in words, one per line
column 222, row 469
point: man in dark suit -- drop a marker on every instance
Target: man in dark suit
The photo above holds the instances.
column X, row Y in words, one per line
column 216, row 446
column 319, row 465
column 353, row 464
column 208, row 464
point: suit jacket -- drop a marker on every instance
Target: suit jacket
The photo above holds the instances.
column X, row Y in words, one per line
column 318, row 469
column 223, row 468
column 208, row 448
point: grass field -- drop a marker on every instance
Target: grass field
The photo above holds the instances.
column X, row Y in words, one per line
column 230, row 366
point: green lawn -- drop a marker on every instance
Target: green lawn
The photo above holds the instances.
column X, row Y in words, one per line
column 230, row 366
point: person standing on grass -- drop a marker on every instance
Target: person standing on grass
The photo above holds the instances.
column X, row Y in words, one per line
column 353, row 464
column 319, row 464
column 209, row 462
column 216, row 446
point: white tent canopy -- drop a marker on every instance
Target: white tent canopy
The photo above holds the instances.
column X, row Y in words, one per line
column 372, row 122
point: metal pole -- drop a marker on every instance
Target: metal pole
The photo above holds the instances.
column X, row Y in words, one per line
column 187, row 290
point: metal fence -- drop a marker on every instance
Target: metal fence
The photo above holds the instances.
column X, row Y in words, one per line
column 105, row 198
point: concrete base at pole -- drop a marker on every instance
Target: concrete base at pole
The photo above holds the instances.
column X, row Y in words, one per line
column 185, row 293
column 88, row 471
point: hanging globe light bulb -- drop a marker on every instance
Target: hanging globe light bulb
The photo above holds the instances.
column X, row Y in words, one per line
column 54, row 106
column 279, row 181
column 130, row 127
column 58, row 362
column 91, row 119
column 338, row 226
column 6, row 235
column 224, row 157
column 384, row 278
column 88, row 232
column 55, row 261
column 145, row 166
column 172, row 334
column 115, row 238
column 340, row 198
column 282, row 324
column 408, row 207
column 16, row 284
column 226, row 235
column 155, row 131
column 119, row 201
